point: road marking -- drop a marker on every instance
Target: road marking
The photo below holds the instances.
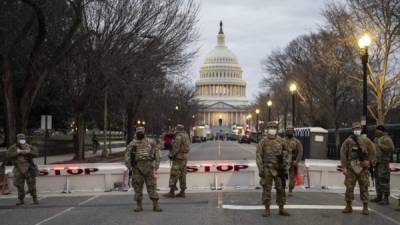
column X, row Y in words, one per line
column 387, row 217
column 259, row 207
column 65, row 211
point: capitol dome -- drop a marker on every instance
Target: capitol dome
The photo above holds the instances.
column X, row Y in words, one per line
column 220, row 88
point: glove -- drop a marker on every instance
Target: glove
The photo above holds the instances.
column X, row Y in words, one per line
column 261, row 174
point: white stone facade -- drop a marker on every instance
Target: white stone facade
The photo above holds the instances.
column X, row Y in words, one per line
column 221, row 90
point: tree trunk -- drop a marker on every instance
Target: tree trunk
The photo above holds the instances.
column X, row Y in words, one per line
column 79, row 138
column 130, row 124
column 10, row 103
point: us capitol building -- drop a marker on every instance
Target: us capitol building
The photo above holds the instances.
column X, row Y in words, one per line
column 221, row 91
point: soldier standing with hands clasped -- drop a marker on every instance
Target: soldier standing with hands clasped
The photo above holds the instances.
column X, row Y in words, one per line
column 21, row 155
column 142, row 157
column 272, row 162
column 356, row 154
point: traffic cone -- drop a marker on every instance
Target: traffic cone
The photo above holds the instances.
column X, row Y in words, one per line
column 299, row 180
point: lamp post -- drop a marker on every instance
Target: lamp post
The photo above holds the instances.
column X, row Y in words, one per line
column 249, row 121
column 269, row 104
column 257, row 112
column 293, row 89
column 364, row 43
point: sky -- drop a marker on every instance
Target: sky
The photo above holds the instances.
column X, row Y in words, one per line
column 253, row 29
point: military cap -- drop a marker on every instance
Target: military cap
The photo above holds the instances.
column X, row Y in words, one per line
column 179, row 127
column 288, row 128
column 140, row 130
column 356, row 125
column 272, row 124
column 21, row 136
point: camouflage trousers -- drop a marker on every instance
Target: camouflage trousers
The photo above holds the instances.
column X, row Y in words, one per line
column 350, row 182
column 19, row 183
column 382, row 178
column 143, row 173
column 178, row 172
column 292, row 176
column 271, row 177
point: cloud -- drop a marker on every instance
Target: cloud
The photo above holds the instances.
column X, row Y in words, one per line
column 253, row 29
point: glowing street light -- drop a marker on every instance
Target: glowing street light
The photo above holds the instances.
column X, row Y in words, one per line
column 364, row 43
column 293, row 89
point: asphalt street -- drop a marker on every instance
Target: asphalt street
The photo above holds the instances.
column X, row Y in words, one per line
column 225, row 207
column 210, row 208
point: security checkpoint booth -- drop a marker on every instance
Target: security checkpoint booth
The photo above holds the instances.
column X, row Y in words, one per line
column 314, row 140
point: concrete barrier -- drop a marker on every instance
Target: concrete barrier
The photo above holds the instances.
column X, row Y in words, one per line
column 327, row 174
column 202, row 175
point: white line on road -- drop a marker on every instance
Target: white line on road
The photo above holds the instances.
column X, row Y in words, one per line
column 257, row 207
column 387, row 217
column 65, row 211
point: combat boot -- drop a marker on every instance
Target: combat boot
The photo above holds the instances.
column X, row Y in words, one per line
column 181, row 194
column 282, row 211
column 35, row 201
column 348, row 208
column 378, row 198
column 20, row 202
column 365, row 209
column 267, row 212
column 385, row 200
column 156, row 206
column 139, row 206
column 170, row 194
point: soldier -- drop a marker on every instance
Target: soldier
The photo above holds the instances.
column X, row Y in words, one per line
column 272, row 162
column 142, row 157
column 295, row 149
column 384, row 149
column 180, row 150
column 356, row 153
column 21, row 155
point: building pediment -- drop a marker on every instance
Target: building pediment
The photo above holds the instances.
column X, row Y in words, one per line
column 221, row 106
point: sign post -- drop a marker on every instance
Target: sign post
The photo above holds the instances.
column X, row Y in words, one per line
column 46, row 124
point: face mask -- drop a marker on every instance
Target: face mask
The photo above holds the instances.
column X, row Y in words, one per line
column 357, row 132
column 289, row 135
column 22, row 141
column 272, row 131
column 139, row 136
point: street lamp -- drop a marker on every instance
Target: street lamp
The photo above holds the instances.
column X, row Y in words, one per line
column 364, row 43
column 139, row 122
column 269, row 104
column 257, row 124
column 248, row 117
column 293, row 89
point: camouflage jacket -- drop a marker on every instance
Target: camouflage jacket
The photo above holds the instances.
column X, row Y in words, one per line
column 384, row 148
column 181, row 146
column 142, row 150
column 268, row 150
column 22, row 162
column 295, row 149
column 349, row 147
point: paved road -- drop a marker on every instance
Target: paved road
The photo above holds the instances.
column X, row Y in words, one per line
column 197, row 209
column 221, row 150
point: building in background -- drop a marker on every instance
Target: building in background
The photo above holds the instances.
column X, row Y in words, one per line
column 221, row 91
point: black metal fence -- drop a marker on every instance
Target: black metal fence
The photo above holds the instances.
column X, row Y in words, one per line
column 334, row 151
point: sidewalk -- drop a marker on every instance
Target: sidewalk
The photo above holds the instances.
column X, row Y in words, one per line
column 69, row 156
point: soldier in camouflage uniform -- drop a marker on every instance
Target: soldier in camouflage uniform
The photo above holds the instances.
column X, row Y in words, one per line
column 180, row 150
column 269, row 150
column 142, row 157
column 295, row 149
column 356, row 153
column 21, row 155
column 384, row 150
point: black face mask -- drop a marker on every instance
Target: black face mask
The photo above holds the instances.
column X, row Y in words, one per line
column 139, row 136
column 289, row 135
